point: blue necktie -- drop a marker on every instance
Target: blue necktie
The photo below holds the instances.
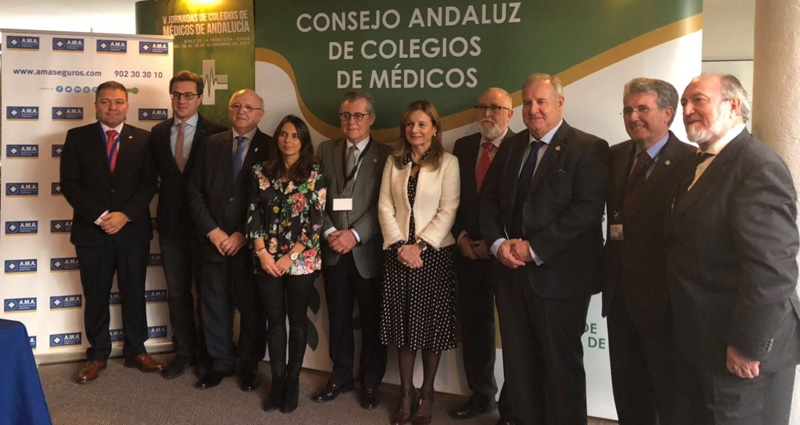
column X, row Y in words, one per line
column 523, row 185
column 238, row 157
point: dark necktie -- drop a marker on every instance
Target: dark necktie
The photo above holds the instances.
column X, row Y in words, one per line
column 523, row 186
column 238, row 158
column 112, row 149
column 636, row 181
column 347, row 192
column 483, row 164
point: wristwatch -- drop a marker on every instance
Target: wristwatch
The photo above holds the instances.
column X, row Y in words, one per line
column 423, row 246
column 294, row 256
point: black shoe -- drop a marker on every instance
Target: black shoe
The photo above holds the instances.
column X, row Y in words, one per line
column 291, row 392
column 177, row 367
column 275, row 397
column 505, row 421
column 249, row 380
column 212, row 379
column 331, row 391
column 370, row 398
column 472, row 409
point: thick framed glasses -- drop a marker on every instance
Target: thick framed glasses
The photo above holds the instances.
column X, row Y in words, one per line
column 176, row 95
column 358, row 116
column 494, row 108
column 247, row 108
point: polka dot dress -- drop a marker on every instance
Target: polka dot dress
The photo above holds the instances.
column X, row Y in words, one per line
column 418, row 306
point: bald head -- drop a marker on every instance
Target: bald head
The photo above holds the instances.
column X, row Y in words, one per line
column 494, row 112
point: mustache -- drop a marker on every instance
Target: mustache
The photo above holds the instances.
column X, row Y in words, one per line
column 488, row 119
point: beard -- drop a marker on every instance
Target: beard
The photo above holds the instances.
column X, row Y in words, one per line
column 703, row 136
column 489, row 132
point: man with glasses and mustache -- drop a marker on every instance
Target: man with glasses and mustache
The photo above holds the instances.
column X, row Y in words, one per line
column 475, row 284
column 731, row 266
column 175, row 143
column 218, row 199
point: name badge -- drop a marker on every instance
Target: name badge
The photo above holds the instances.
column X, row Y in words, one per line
column 615, row 232
column 343, row 204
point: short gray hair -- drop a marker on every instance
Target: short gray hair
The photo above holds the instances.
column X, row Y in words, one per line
column 666, row 94
column 547, row 78
column 354, row 95
column 731, row 88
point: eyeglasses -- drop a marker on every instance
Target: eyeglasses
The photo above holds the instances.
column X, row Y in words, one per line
column 640, row 110
column 247, row 108
column 176, row 95
column 494, row 108
column 358, row 116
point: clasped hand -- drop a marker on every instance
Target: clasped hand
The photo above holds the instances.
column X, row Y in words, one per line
column 227, row 245
column 410, row 256
column 514, row 253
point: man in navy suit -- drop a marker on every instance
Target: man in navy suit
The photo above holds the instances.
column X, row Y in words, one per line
column 108, row 177
column 732, row 267
column 218, row 198
column 475, row 285
column 175, row 143
column 541, row 216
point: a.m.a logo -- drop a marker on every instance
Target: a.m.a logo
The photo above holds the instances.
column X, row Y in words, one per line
column 32, row 341
column 22, row 112
column 22, row 151
column 154, row 260
column 55, row 151
column 67, row 113
column 68, row 44
column 30, row 227
column 155, row 48
column 55, row 188
column 20, row 266
column 116, row 335
column 114, row 299
column 60, row 226
column 65, row 301
column 25, row 43
column 155, row 295
column 152, row 114
column 157, row 331
column 22, row 189
column 63, row 340
column 112, row 46
column 63, row 264
column 19, row 304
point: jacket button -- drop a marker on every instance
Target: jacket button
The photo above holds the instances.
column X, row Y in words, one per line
column 230, row 199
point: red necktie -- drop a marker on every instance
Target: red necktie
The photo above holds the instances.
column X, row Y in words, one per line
column 112, row 149
column 483, row 163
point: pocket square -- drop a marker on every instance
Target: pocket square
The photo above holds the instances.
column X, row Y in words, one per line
column 561, row 171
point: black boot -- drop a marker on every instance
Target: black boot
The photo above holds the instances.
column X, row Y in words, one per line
column 291, row 389
column 275, row 397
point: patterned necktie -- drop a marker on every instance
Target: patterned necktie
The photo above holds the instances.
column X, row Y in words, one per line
column 112, row 148
column 349, row 168
column 636, row 181
column 483, row 164
column 238, row 157
column 179, row 145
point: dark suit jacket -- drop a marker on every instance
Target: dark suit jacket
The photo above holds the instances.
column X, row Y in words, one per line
column 173, row 208
column 91, row 189
column 215, row 198
column 636, row 265
column 368, row 254
column 466, row 150
column 732, row 260
column 562, row 212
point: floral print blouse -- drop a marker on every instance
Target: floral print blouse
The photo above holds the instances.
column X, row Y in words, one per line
column 284, row 214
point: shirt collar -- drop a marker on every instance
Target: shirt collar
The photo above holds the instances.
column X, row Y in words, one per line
column 118, row 128
column 192, row 121
column 655, row 150
column 248, row 136
column 717, row 147
column 360, row 145
column 497, row 140
column 549, row 136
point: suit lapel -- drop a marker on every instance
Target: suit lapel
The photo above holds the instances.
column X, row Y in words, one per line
column 124, row 151
column 366, row 167
column 551, row 155
column 337, row 152
column 661, row 170
column 619, row 178
column 252, row 154
column 470, row 162
column 515, row 163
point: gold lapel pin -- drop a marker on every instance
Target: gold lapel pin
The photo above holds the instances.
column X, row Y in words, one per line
column 374, row 160
column 256, row 149
column 667, row 163
column 130, row 137
column 558, row 148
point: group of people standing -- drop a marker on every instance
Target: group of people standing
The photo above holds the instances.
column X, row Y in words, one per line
column 698, row 269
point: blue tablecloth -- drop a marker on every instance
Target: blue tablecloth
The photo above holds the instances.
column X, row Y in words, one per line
column 21, row 396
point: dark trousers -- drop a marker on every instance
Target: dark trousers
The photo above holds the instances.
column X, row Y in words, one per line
column 222, row 282
column 542, row 352
column 476, row 317
column 642, row 369
column 97, row 267
column 343, row 285
column 718, row 397
column 282, row 295
column 182, row 265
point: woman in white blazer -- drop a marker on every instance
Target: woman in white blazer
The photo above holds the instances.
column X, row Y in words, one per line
column 417, row 207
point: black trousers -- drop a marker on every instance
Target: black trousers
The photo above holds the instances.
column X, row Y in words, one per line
column 282, row 295
column 225, row 284
column 542, row 352
column 97, row 267
column 182, row 266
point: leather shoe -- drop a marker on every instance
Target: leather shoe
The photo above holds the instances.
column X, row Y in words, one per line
column 472, row 409
column 370, row 398
column 331, row 391
column 90, row 371
column 145, row 363
column 505, row 421
column 212, row 379
column 177, row 367
column 249, row 380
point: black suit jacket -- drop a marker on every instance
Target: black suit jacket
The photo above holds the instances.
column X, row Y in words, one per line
column 91, row 189
column 215, row 198
column 732, row 260
column 562, row 212
column 636, row 265
column 173, row 208
column 466, row 150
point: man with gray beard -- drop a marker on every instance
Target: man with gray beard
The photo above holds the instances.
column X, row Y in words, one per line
column 475, row 288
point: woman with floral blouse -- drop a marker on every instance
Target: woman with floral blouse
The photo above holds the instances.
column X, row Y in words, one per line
column 283, row 224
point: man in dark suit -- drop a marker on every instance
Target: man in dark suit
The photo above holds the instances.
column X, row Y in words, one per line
column 732, row 267
column 174, row 143
column 218, row 198
column 541, row 215
column 475, row 286
column 108, row 177
column 644, row 172
column 352, row 254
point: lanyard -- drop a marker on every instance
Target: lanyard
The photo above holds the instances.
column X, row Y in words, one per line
column 352, row 174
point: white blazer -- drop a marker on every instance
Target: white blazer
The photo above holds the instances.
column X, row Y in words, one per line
column 435, row 205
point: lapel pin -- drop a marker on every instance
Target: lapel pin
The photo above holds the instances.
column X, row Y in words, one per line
column 667, row 163
column 558, row 148
column 256, row 149
column 130, row 137
column 375, row 160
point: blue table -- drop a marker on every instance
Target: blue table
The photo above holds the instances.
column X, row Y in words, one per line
column 21, row 396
